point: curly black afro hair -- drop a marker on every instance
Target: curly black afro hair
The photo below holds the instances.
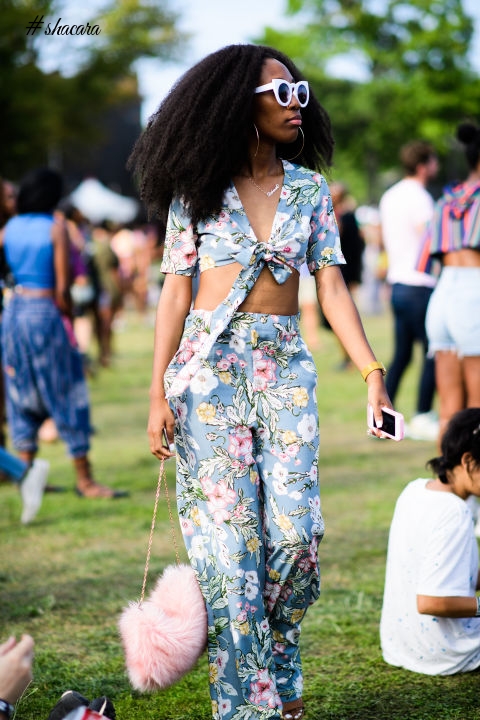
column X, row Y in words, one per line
column 197, row 140
column 461, row 436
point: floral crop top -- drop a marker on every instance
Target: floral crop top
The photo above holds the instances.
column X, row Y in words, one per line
column 304, row 229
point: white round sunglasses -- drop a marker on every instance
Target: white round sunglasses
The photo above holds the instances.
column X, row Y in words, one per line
column 284, row 90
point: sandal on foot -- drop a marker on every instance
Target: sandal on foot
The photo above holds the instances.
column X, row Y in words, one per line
column 294, row 710
column 94, row 490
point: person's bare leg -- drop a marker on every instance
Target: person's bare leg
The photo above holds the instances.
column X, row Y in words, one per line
column 83, row 332
column 27, row 457
column 48, row 431
column 106, row 320
column 450, row 386
column 87, row 486
column 471, row 370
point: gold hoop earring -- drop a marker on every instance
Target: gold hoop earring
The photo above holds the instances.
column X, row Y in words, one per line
column 301, row 149
column 258, row 140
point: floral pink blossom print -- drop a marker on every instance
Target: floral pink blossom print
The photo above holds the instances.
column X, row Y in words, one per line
column 304, row 229
column 249, row 505
column 243, row 390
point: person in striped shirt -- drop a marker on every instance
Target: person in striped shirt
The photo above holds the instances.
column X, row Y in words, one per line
column 453, row 317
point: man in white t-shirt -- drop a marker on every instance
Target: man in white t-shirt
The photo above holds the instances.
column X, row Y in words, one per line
column 405, row 210
column 430, row 620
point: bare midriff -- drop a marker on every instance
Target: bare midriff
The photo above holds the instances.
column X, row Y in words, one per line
column 266, row 296
column 462, row 258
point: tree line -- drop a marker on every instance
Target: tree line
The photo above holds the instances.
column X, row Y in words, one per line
column 416, row 79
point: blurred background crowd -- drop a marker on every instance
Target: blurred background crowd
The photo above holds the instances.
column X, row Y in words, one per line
column 390, row 74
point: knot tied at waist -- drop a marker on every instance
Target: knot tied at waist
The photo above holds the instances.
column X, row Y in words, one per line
column 253, row 257
column 263, row 253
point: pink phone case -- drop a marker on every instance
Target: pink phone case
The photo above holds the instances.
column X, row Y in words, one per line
column 399, row 431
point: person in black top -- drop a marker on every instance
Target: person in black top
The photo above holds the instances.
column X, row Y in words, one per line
column 353, row 246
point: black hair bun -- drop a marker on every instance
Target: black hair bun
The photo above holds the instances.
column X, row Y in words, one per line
column 467, row 133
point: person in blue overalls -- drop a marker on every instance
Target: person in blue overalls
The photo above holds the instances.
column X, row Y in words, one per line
column 234, row 385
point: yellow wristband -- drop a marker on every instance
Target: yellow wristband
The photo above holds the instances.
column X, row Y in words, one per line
column 371, row 367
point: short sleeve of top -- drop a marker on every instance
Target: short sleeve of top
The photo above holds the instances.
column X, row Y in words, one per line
column 324, row 243
column 450, row 556
column 304, row 229
column 180, row 251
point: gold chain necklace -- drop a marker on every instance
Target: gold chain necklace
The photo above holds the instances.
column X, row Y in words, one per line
column 268, row 193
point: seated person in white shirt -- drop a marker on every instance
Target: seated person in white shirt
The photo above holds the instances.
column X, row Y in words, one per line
column 430, row 619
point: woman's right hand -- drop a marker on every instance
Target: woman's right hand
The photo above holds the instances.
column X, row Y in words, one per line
column 160, row 424
column 173, row 306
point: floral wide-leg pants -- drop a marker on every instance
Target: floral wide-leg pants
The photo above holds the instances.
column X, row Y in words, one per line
column 247, row 451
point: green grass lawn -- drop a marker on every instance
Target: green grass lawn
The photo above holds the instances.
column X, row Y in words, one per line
column 67, row 576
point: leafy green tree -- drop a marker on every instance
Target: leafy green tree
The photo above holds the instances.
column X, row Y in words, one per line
column 45, row 112
column 416, row 77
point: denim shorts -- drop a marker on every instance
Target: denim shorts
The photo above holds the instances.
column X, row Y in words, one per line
column 453, row 315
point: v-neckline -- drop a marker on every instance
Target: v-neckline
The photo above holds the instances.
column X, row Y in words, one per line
column 244, row 214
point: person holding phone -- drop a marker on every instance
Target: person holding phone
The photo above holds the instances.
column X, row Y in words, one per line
column 430, row 621
column 234, row 384
column 393, row 426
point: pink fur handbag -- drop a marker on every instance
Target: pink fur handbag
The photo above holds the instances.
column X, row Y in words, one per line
column 164, row 635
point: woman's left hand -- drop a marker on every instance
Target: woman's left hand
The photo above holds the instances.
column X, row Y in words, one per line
column 377, row 398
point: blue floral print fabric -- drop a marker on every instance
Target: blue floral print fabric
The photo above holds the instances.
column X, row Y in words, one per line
column 242, row 387
column 304, row 229
column 247, row 450
column 44, row 376
column 308, row 227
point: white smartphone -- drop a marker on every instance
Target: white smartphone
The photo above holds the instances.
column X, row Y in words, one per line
column 393, row 423
column 170, row 446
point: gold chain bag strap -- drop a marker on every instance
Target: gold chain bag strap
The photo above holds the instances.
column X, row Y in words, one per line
column 162, row 478
column 164, row 635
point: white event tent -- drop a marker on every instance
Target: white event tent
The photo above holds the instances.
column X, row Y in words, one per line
column 99, row 203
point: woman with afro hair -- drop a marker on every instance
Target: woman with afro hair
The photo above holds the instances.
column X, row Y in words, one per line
column 234, row 385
